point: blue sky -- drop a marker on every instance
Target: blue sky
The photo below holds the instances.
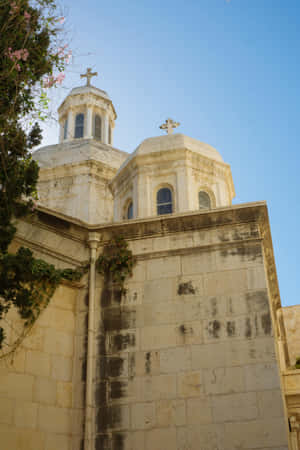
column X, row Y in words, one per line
column 227, row 70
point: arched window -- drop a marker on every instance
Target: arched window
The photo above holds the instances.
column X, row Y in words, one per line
column 79, row 125
column 97, row 124
column 204, row 200
column 164, row 201
column 66, row 129
column 130, row 211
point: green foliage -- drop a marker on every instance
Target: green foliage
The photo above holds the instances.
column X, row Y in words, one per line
column 28, row 284
column 116, row 261
column 297, row 365
column 29, row 56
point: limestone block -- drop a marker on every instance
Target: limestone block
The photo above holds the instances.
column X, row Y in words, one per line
column 227, row 282
column 190, row 333
column 64, row 394
column 199, row 410
column 197, row 263
column 138, row 440
column 15, row 385
column 166, row 267
column 143, row 416
column 146, row 363
column 156, row 387
column 174, row 360
column 270, row 404
column 35, row 339
column 158, row 337
column 256, row 278
column 44, row 391
column 189, row 384
column 62, row 320
column 134, row 294
column 223, row 380
column 29, row 440
column 159, row 290
column 55, row 420
column 65, row 298
column 16, row 364
column 58, row 442
column 25, row 414
column 6, row 410
column 189, row 309
column 201, row 437
column 261, row 376
column 214, row 306
column 234, row 407
column 161, row 439
column 255, row 434
column 58, row 342
column 61, row 368
column 208, row 356
column 159, row 313
column 37, row 363
column 139, row 272
column 9, row 437
column 170, row 412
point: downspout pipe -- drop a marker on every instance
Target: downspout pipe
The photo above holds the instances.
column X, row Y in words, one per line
column 93, row 241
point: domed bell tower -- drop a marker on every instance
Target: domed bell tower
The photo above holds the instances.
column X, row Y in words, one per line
column 87, row 113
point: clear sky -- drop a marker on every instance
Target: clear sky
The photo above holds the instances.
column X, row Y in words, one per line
column 227, row 70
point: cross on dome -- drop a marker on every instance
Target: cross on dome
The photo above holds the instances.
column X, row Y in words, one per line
column 169, row 125
column 88, row 75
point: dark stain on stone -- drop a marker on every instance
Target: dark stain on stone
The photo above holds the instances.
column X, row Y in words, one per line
column 118, row 441
column 83, row 369
column 118, row 389
column 214, row 328
column 121, row 342
column 214, row 306
column 101, row 393
column 256, row 325
column 257, row 301
column 103, row 442
column 223, row 236
column 86, row 299
column 115, row 366
column 186, row 288
column 131, row 365
column 266, row 323
column 230, row 327
column 148, row 362
column 248, row 328
column 245, row 252
column 119, row 318
column 82, row 444
column 106, row 296
column 108, row 417
column 53, row 221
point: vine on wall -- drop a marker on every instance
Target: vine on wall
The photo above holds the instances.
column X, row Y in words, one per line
column 117, row 261
column 27, row 284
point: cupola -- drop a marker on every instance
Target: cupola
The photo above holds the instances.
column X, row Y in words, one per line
column 87, row 113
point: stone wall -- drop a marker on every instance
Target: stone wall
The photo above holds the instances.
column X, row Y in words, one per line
column 291, row 316
column 186, row 359
column 40, row 405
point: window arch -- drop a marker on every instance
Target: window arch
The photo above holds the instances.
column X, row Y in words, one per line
column 129, row 211
column 97, row 126
column 164, row 201
column 204, row 200
column 79, row 125
column 65, row 129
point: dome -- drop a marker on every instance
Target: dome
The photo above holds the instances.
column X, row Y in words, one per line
column 174, row 142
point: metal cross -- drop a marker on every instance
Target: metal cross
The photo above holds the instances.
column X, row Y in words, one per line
column 88, row 75
column 169, row 125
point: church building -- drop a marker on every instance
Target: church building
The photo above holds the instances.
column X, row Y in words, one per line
column 194, row 353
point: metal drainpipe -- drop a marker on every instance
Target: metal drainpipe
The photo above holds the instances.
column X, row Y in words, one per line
column 93, row 241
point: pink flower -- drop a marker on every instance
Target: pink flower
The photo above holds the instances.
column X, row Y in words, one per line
column 27, row 16
column 13, row 8
column 18, row 67
column 60, row 77
column 61, row 20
